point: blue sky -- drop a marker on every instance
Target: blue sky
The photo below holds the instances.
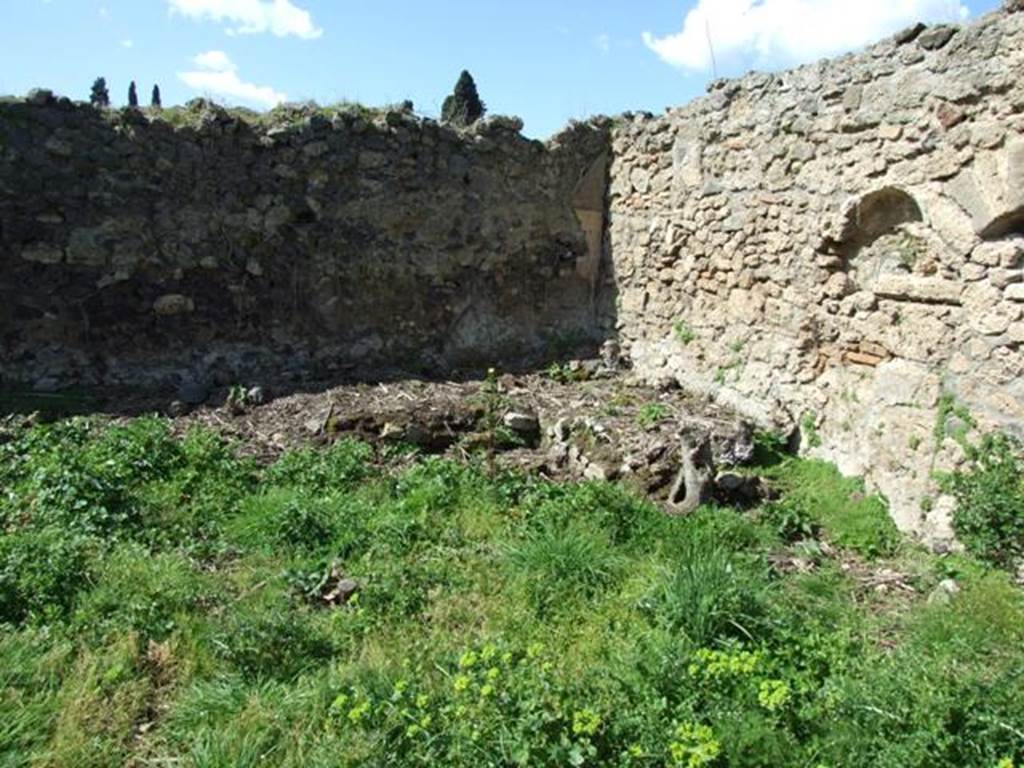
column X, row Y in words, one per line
column 544, row 60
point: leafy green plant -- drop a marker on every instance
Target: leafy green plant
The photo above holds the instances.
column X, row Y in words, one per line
column 791, row 520
column 267, row 641
column 709, row 595
column 910, row 249
column 493, row 434
column 989, row 516
column 566, row 374
column 814, row 490
column 952, row 420
column 809, row 427
column 341, row 466
column 651, row 414
column 41, row 572
column 770, row 448
column 684, row 334
column 179, row 614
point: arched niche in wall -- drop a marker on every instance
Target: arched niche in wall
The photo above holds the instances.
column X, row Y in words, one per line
column 881, row 235
column 1007, row 225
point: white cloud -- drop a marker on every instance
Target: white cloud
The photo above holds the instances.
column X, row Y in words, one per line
column 217, row 74
column 215, row 61
column 127, row 43
column 604, row 42
column 774, row 33
column 252, row 17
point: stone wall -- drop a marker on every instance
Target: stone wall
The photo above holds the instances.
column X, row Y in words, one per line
column 156, row 249
column 839, row 248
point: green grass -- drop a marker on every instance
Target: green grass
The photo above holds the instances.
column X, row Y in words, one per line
column 161, row 603
column 815, row 496
column 651, row 414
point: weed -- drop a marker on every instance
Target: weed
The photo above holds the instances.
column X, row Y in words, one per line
column 809, row 427
column 989, row 517
column 684, row 334
column 174, row 613
column 564, row 373
column 561, row 565
column 952, row 420
column 709, row 595
column 493, row 432
column 770, row 448
column 910, row 249
column 651, row 414
column 791, row 520
column 814, row 490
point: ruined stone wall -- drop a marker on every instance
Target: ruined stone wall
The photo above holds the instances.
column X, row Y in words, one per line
column 837, row 248
column 158, row 249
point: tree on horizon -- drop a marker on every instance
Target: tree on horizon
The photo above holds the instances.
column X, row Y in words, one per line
column 133, row 96
column 155, row 99
column 463, row 107
column 100, row 96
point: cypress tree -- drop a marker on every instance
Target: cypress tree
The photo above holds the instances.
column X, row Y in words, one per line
column 155, row 100
column 463, row 107
column 100, row 96
column 133, row 96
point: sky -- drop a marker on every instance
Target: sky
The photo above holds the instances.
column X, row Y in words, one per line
column 547, row 61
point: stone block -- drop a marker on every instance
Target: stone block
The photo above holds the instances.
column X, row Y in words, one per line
column 925, row 290
column 173, row 304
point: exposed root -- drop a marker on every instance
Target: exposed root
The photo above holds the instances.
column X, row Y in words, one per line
column 694, row 483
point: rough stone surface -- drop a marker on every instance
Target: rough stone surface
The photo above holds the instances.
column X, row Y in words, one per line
column 839, row 245
column 139, row 247
column 839, row 242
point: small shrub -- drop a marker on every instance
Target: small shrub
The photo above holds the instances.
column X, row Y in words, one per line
column 42, row 571
column 952, row 420
column 989, row 516
column 790, row 520
column 770, row 448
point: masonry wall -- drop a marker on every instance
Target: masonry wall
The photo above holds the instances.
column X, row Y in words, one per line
column 838, row 248
column 154, row 249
